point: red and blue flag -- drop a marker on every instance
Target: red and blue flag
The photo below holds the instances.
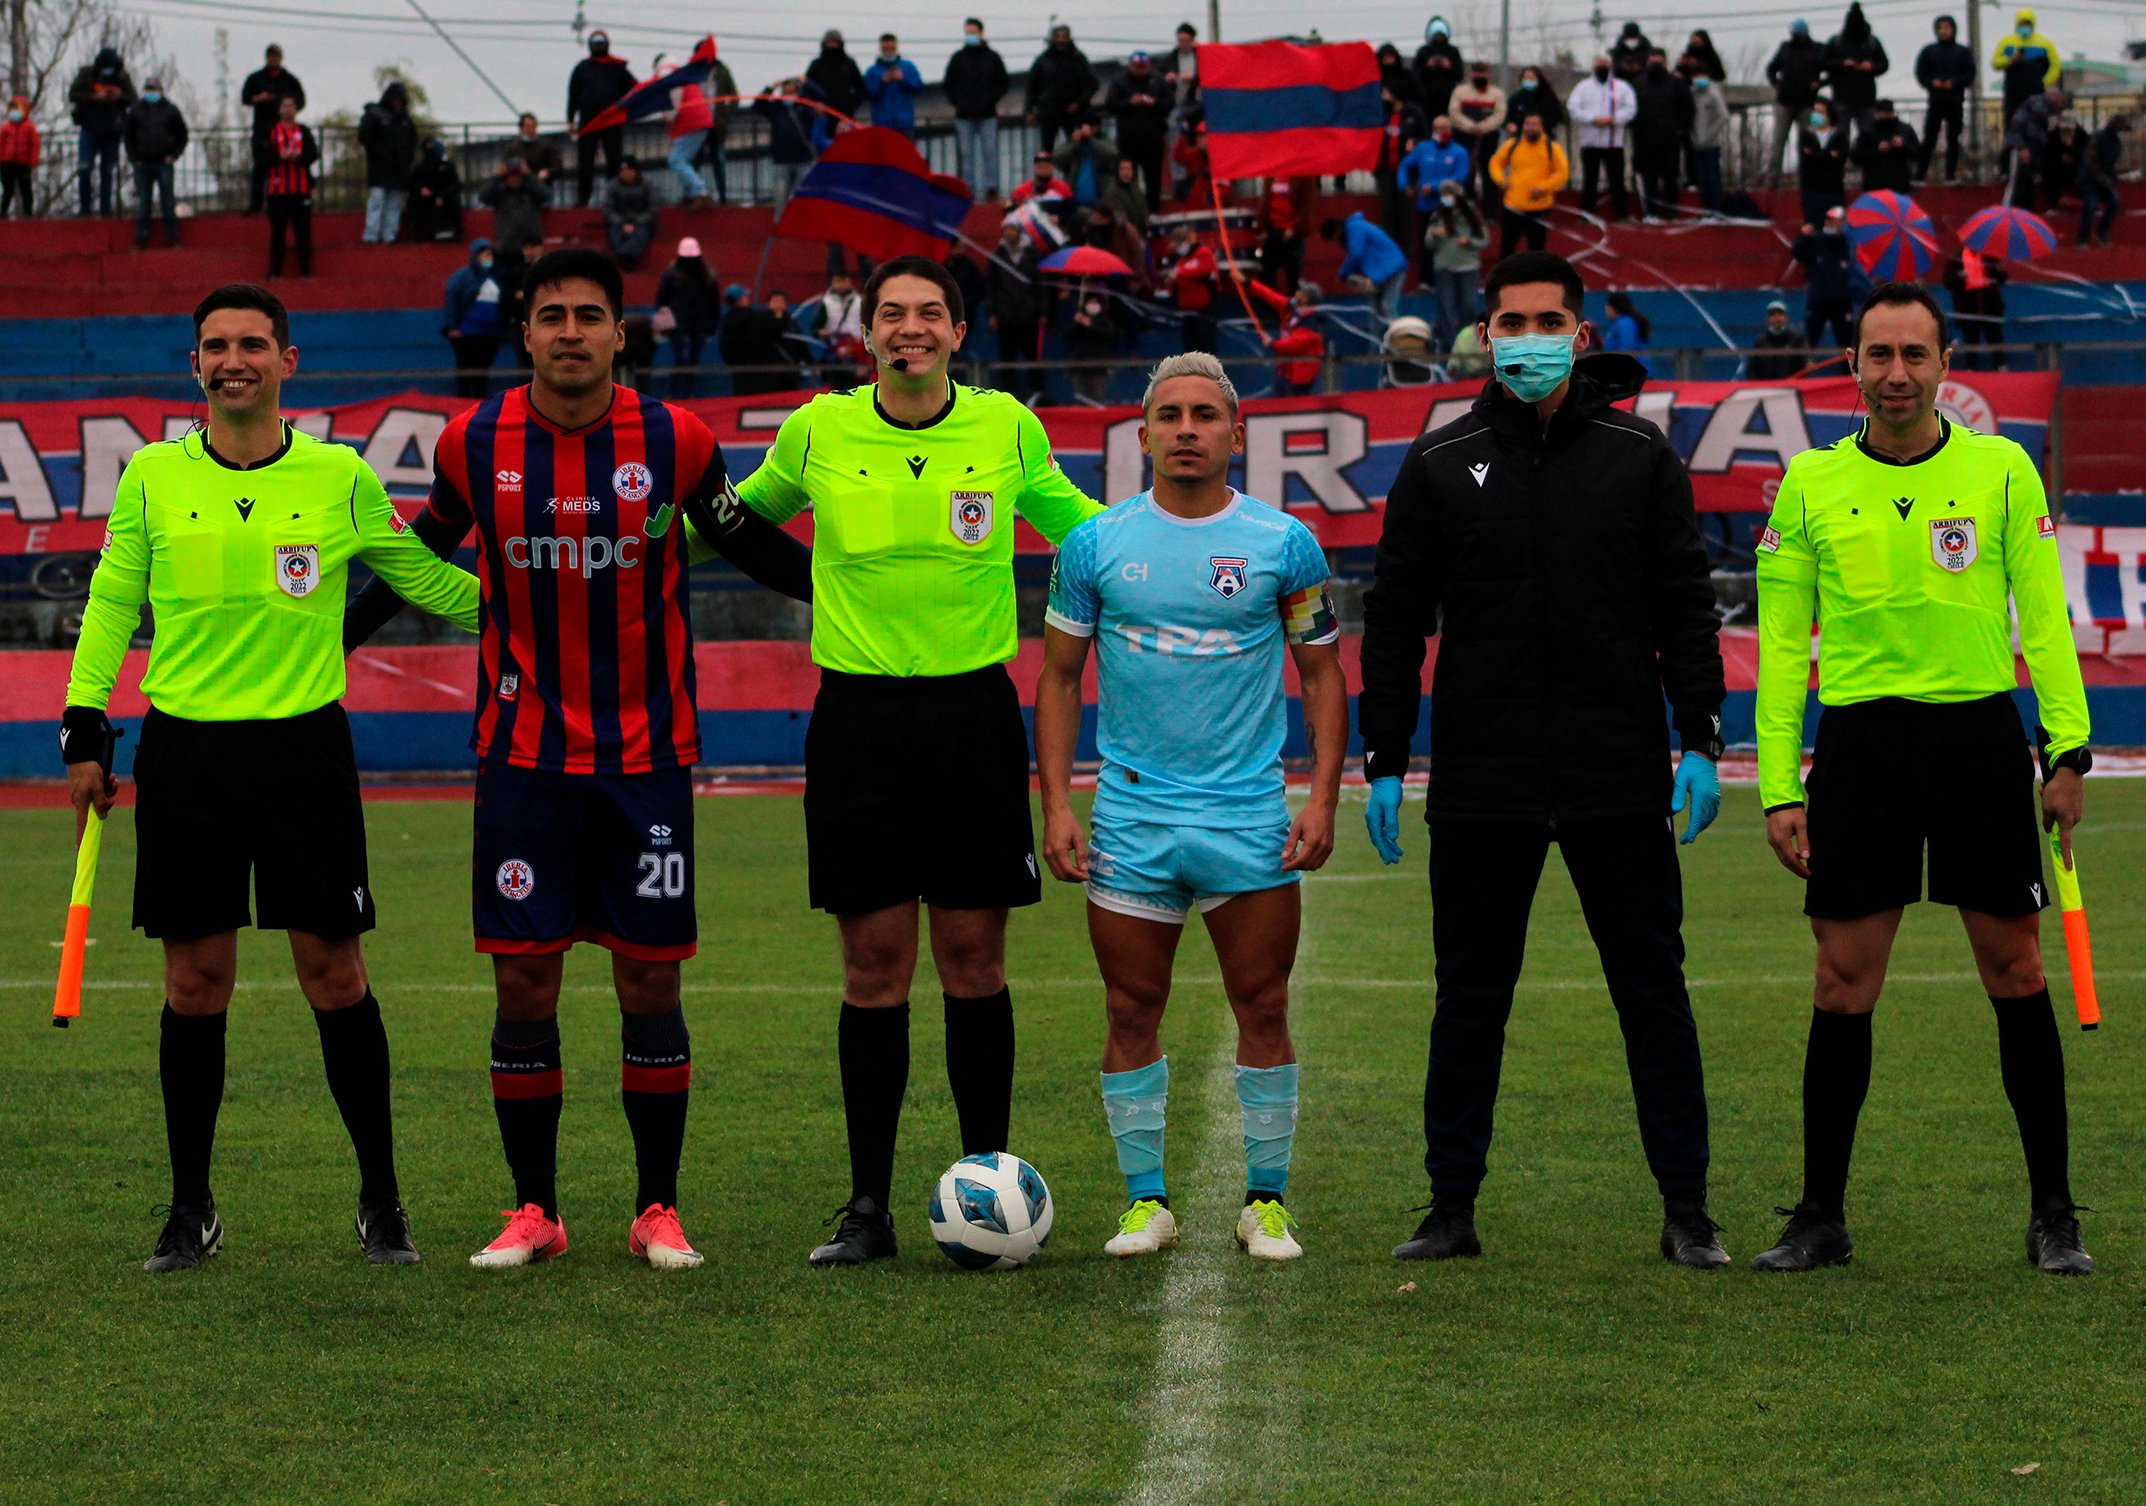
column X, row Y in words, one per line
column 871, row 192
column 654, row 96
column 1277, row 110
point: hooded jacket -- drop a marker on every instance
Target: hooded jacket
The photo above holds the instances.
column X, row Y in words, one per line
column 1946, row 62
column 104, row 116
column 894, row 100
column 840, row 80
column 280, row 85
column 1060, row 76
column 517, row 209
column 2028, row 63
column 20, row 145
column 389, row 137
column 1665, row 110
column 1853, row 89
column 474, row 297
column 975, row 82
column 595, row 85
column 1797, row 70
column 1561, row 569
column 1894, row 169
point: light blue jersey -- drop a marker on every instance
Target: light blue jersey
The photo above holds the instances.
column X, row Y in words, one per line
column 1190, row 617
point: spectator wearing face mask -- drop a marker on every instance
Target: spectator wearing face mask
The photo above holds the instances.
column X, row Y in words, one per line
column 598, row 81
column 389, row 137
column 1888, row 151
column 1405, row 130
column 1778, row 349
column 836, row 74
column 1946, row 71
column 1533, row 94
column 1371, row 263
column 1454, row 240
column 2029, row 62
column 892, row 84
column 1855, row 59
column 517, row 199
column 1438, row 68
column 1829, row 278
column 101, row 95
column 629, row 214
column 1140, row 103
column 1060, row 86
column 1530, row 170
column 2027, row 140
column 1603, row 106
column 1092, row 336
column 435, row 195
column 1629, row 53
column 1709, row 134
column 1299, row 345
column 975, row 83
column 1822, row 163
column 1700, row 60
column 538, row 155
column 156, row 136
column 472, row 320
column 686, row 309
column 790, row 132
column 21, row 150
column 1659, row 136
column 1797, row 72
column 1477, row 110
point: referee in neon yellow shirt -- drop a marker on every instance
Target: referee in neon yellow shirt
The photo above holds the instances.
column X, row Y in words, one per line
column 240, row 536
column 916, row 761
column 1907, row 542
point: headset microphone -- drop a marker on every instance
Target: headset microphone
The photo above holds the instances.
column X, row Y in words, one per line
column 900, row 363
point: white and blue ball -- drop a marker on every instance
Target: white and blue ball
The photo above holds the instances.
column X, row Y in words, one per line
column 991, row 1212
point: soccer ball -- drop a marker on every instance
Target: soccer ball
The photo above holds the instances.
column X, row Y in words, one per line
column 991, row 1212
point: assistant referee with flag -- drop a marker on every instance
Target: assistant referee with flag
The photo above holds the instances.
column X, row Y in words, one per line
column 240, row 536
column 1909, row 541
column 916, row 761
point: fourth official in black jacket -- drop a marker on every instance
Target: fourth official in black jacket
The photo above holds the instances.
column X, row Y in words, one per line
column 1550, row 545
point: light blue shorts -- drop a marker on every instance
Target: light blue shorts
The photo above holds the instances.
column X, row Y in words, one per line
column 1162, row 873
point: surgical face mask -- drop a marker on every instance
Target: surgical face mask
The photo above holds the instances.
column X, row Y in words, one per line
column 1532, row 366
column 1527, row 83
column 151, row 96
column 2026, row 31
column 1818, row 121
column 1602, row 73
column 484, row 262
column 972, row 39
column 1092, row 307
column 13, row 116
column 1702, row 82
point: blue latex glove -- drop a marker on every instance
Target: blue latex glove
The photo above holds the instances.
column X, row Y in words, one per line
column 1382, row 817
column 1698, row 783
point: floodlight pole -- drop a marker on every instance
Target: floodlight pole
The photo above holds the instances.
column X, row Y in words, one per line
column 1214, row 20
column 1974, row 88
column 1505, row 45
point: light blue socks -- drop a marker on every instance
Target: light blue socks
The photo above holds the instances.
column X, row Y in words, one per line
column 1268, row 1098
column 1135, row 1103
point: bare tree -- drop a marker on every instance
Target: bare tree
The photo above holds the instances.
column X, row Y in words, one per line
column 53, row 39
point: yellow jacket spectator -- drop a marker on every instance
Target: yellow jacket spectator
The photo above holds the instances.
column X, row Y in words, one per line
column 1531, row 169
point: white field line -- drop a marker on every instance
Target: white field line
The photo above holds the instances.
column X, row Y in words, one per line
column 1181, row 1460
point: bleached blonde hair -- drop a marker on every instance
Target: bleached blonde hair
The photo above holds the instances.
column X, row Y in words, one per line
column 1196, row 363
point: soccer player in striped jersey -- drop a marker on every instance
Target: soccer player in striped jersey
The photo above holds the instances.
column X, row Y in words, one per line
column 589, row 501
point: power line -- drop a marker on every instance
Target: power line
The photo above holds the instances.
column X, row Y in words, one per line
column 500, row 93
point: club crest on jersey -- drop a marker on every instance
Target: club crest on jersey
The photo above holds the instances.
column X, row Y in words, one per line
column 297, row 568
column 1952, row 543
column 517, row 880
column 1228, row 578
column 970, row 516
column 510, row 685
column 632, row 482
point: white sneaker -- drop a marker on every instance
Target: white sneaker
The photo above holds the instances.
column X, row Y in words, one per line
column 1143, row 1229
column 1263, row 1229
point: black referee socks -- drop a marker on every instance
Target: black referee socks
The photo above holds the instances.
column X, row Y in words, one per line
column 874, row 1049
column 979, row 1068
column 190, row 1062
column 2031, row 1053
column 655, row 1072
column 1836, row 1080
column 353, row 1049
column 528, row 1088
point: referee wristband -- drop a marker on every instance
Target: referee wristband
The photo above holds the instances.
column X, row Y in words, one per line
column 87, row 736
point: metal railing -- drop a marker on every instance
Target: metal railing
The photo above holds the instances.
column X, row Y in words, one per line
column 213, row 175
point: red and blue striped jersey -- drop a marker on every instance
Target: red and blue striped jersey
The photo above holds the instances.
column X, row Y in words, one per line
column 585, row 648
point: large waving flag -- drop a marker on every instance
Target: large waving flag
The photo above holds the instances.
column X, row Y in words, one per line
column 654, row 96
column 1276, row 110
column 871, row 192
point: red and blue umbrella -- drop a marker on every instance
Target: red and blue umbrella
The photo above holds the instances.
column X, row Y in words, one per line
column 1085, row 261
column 2012, row 234
column 1893, row 239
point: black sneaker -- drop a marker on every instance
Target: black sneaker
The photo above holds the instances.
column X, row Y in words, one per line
column 2053, row 1243
column 192, row 1233
column 384, row 1234
column 866, row 1233
column 1811, row 1239
column 1690, row 1238
column 1444, row 1234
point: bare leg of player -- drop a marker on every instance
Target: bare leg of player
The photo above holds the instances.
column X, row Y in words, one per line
column 1135, row 956
column 1255, row 938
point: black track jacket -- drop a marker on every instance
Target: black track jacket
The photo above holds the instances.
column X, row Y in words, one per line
column 1563, row 572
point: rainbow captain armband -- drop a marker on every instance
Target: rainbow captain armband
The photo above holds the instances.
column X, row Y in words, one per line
column 1308, row 616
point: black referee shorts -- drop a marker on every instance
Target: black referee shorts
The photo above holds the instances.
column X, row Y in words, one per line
column 217, row 802
column 1890, row 778
column 917, row 788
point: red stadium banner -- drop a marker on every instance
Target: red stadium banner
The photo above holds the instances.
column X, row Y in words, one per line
column 1328, row 459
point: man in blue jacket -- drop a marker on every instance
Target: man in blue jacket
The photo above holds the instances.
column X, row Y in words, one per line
column 471, row 317
column 892, row 85
column 1372, row 263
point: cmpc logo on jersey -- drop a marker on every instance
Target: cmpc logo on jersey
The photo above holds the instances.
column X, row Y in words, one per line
column 1228, row 578
column 633, row 482
column 517, row 880
column 1952, row 543
column 297, row 568
column 971, row 516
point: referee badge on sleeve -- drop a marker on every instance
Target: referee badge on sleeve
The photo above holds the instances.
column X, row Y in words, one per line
column 1952, row 543
column 970, row 516
column 297, row 568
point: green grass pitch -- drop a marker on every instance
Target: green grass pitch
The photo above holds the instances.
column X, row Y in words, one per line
column 1571, row 1364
